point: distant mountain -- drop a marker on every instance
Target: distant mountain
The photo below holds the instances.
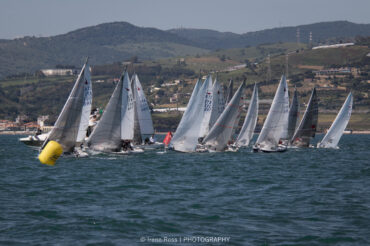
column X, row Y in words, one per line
column 321, row 32
column 104, row 43
column 118, row 41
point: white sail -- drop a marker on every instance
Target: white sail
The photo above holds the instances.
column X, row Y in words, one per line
column 86, row 108
column 127, row 110
column 137, row 140
column 332, row 137
column 206, row 107
column 106, row 135
column 276, row 119
column 220, row 134
column 307, row 127
column 250, row 122
column 185, row 138
column 218, row 102
column 67, row 126
column 142, row 108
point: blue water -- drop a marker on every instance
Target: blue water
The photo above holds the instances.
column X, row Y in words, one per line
column 300, row 197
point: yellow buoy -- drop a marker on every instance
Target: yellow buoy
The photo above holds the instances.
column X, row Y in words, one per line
column 50, row 153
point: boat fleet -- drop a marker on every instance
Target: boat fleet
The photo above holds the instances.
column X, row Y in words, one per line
column 208, row 124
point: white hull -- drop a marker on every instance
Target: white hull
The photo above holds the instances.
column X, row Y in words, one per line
column 34, row 140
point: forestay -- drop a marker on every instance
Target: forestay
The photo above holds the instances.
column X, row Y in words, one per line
column 220, row 134
column 307, row 128
column 332, row 137
column 185, row 138
column 72, row 122
column 250, row 122
column 276, row 118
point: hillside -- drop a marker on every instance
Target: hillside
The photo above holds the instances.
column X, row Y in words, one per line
column 322, row 32
column 118, row 41
column 105, row 43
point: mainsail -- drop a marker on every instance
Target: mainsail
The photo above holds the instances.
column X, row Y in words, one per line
column 218, row 102
column 206, row 107
column 72, row 122
column 293, row 115
column 220, row 134
column 250, row 122
column 276, row 119
column 186, row 136
column 107, row 133
column 307, row 128
column 336, row 130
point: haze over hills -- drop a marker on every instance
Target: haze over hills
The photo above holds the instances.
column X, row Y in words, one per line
column 118, row 41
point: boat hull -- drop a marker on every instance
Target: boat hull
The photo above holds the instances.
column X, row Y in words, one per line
column 35, row 141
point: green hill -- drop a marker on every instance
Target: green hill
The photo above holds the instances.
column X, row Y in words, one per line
column 118, row 41
column 105, row 43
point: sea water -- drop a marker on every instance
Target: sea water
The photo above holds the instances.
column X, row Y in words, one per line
column 299, row 197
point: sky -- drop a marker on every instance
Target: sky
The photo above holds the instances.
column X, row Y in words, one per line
column 51, row 17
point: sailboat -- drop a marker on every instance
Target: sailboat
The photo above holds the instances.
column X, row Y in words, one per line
column 307, row 128
column 332, row 137
column 186, row 136
column 250, row 122
column 143, row 123
column 220, row 134
column 218, row 102
column 70, row 128
column 276, row 120
column 116, row 126
column 293, row 115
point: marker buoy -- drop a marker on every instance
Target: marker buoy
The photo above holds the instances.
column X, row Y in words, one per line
column 50, row 153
